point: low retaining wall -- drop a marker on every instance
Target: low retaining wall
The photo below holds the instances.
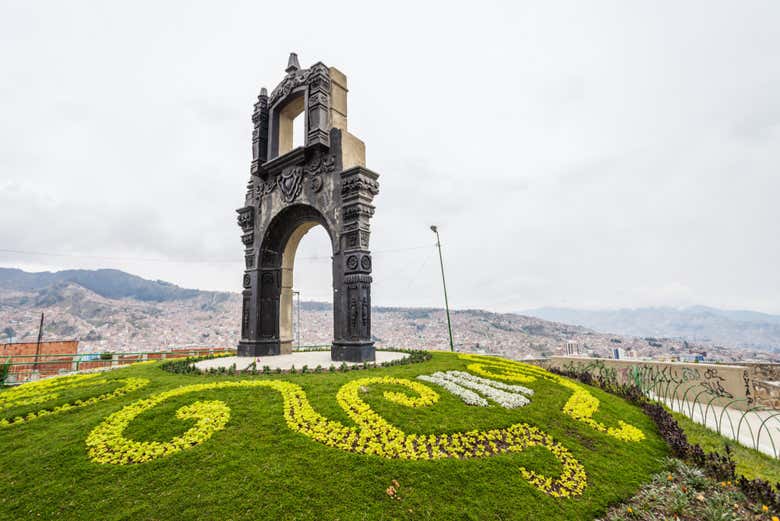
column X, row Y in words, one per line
column 740, row 386
column 25, row 368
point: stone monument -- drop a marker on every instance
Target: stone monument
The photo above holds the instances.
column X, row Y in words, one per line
column 290, row 190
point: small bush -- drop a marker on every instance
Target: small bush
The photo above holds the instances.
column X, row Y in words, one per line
column 5, row 370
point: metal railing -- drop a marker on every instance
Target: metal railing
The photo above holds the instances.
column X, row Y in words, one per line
column 743, row 420
column 26, row 368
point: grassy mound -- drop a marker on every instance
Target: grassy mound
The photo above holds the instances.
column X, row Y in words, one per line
column 255, row 451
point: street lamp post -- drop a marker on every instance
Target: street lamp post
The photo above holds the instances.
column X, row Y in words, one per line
column 435, row 230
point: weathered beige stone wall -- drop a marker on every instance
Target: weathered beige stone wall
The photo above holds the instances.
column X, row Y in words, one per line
column 765, row 379
column 353, row 149
column 741, row 386
column 338, row 99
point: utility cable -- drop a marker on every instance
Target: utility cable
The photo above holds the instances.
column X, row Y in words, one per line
column 180, row 261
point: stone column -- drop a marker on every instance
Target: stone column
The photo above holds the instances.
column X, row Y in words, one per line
column 318, row 106
column 352, row 269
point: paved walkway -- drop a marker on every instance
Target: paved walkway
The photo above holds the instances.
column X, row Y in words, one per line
column 298, row 359
column 726, row 421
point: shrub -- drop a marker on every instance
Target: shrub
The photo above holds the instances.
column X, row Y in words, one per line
column 5, row 370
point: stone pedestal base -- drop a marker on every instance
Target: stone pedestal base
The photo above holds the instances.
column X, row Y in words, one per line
column 264, row 348
column 353, row 352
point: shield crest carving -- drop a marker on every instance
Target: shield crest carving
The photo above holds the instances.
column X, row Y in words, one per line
column 290, row 183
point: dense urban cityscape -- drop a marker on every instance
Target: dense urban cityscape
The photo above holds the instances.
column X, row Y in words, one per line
column 212, row 320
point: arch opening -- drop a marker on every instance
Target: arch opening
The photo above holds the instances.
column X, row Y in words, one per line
column 289, row 125
column 312, row 283
column 279, row 249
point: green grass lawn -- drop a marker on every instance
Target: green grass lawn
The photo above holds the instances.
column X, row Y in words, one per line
column 258, row 468
column 750, row 462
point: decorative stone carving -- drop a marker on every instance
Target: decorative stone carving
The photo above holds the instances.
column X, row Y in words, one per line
column 352, row 240
column 321, row 165
column 245, row 316
column 352, row 262
column 356, row 279
column 355, row 184
column 264, row 188
column 320, row 97
column 246, row 217
column 290, row 183
column 364, row 311
column 353, row 313
column 248, row 238
column 357, row 211
column 365, row 262
column 292, row 81
column 247, row 280
column 259, row 131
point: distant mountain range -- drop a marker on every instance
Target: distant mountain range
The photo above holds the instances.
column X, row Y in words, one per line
column 112, row 310
column 114, row 284
column 109, row 310
column 701, row 324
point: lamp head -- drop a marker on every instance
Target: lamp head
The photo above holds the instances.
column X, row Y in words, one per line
column 434, row 229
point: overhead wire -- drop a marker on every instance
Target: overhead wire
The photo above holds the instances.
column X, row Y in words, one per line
column 181, row 260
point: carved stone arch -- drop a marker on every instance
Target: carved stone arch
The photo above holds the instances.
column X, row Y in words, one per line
column 277, row 262
column 323, row 182
column 285, row 222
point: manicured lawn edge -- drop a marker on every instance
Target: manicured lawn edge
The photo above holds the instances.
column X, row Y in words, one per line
column 721, row 466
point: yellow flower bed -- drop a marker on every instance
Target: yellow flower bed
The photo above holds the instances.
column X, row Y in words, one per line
column 373, row 435
column 581, row 405
column 49, row 389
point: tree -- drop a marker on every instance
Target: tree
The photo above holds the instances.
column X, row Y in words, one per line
column 10, row 333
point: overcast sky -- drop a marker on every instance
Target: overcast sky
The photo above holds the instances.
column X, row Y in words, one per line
column 582, row 154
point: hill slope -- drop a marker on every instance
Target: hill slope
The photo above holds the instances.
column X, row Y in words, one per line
column 251, row 450
column 747, row 329
column 109, row 310
column 107, row 283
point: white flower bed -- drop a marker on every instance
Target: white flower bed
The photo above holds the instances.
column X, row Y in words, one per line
column 468, row 397
column 493, row 383
column 460, row 383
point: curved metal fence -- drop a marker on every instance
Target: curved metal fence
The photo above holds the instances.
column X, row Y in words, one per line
column 739, row 419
